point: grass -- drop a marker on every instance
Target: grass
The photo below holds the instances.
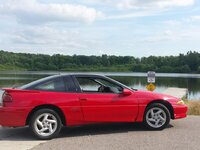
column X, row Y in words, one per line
column 193, row 107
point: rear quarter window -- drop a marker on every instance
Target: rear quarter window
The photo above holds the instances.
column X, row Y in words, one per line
column 57, row 85
column 52, row 83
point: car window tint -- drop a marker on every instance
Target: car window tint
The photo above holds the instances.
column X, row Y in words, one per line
column 54, row 85
column 32, row 84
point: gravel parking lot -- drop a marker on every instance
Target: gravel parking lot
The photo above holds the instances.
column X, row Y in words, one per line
column 182, row 134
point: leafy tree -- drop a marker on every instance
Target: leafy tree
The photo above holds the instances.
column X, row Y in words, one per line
column 184, row 63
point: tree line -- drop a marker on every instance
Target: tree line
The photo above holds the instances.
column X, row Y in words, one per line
column 183, row 63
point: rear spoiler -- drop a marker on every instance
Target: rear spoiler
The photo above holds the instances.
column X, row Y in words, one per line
column 19, row 90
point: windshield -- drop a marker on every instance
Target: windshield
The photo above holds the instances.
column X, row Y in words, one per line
column 123, row 85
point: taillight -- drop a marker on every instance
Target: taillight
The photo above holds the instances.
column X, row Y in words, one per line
column 6, row 97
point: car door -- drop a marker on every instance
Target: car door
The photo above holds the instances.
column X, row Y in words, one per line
column 106, row 106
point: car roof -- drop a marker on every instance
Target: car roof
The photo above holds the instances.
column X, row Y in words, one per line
column 70, row 74
column 31, row 84
column 80, row 74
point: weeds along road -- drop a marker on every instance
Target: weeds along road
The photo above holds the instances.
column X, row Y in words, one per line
column 182, row 134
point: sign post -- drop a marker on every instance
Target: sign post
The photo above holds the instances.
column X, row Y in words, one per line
column 151, row 78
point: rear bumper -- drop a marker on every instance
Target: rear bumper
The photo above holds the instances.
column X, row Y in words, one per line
column 180, row 111
column 13, row 117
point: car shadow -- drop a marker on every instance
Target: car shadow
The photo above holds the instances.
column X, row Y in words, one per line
column 24, row 133
column 16, row 134
column 98, row 129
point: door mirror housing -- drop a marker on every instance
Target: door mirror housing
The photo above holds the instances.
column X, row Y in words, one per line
column 126, row 92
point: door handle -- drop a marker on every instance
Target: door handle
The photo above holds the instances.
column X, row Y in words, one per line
column 83, row 99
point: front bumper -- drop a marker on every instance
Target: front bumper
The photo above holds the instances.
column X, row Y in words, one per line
column 180, row 111
column 13, row 117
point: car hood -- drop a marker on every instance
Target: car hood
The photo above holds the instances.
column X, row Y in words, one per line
column 155, row 96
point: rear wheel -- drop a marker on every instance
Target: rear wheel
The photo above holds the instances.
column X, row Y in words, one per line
column 156, row 117
column 45, row 124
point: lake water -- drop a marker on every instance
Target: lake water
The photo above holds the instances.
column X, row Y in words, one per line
column 134, row 80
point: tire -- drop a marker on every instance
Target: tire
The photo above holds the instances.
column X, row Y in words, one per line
column 156, row 117
column 45, row 124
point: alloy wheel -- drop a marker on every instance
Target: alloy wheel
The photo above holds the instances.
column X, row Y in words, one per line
column 45, row 124
column 156, row 117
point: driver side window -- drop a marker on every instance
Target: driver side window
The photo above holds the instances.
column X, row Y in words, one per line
column 88, row 85
column 97, row 85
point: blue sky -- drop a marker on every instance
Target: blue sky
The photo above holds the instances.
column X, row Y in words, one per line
column 95, row 27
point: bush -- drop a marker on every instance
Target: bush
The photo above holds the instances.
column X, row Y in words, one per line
column 193, row 107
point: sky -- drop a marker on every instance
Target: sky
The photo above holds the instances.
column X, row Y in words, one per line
column 95, row 27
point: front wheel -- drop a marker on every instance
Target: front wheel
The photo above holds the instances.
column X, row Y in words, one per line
column 156, row 117
column 45, row 124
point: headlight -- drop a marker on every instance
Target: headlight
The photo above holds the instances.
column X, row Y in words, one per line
column 181, row 102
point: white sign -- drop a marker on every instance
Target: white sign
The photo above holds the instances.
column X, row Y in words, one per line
column 151, row 77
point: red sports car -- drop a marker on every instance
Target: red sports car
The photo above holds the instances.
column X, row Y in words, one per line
column 76, row 99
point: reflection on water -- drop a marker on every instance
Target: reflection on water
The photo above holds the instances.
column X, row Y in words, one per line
column 134, row 80
column 192, row 84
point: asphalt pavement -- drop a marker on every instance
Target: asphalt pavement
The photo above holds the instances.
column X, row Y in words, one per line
column 183, row 134
column 17, row 139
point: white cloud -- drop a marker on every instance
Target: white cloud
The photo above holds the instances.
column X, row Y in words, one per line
column 36, row 12
column 153, row 4
column 174, row 35
column 173, row 22
column 33, row 11
column 195, row 18
column 138, row 8
column 49, row 40
column 41, row 36
column 132, row 15
column 56, row 26
column 144, row 4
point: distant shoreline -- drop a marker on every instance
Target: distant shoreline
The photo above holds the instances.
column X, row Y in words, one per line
column 128, row 74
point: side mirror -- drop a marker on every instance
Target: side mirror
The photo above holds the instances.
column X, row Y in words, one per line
column 126, row 92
